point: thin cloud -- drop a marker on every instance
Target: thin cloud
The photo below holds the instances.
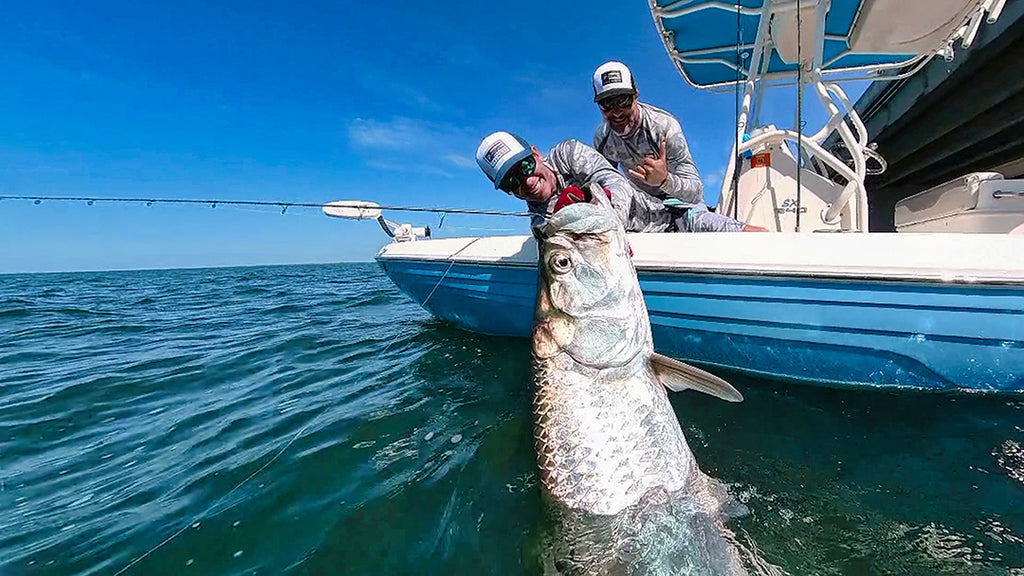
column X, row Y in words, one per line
column 409, row 145
column 396, row 134
column 460, row 161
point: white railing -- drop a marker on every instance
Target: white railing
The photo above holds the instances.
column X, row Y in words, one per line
column 842, row 118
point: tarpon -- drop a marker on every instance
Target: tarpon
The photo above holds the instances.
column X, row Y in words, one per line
column 610, row 450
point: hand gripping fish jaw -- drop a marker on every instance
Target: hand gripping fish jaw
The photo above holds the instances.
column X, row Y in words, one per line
column 589, row 306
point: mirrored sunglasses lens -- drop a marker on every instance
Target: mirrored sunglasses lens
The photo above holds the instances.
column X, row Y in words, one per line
column 518, row 174
column 510, row 184
column 527, row 166
column 506, row 185
column 616, row 102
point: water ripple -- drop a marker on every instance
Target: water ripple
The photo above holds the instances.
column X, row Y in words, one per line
column 291, row 420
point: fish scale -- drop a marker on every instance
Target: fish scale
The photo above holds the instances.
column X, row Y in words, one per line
column 602, row 445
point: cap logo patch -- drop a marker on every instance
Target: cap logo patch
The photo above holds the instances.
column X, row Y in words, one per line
column 611, row 77
column 496, row 152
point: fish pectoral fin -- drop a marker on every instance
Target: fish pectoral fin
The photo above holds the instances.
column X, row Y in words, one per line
column 678, row 376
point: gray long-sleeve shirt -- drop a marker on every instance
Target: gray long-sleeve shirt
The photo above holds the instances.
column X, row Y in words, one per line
column 576, row 164
column 630, row 150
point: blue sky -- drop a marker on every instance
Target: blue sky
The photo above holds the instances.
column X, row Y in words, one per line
column 298, row 102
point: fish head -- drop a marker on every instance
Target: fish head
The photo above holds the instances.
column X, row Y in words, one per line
column 589, row 303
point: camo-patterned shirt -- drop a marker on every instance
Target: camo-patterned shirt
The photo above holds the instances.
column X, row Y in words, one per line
column 629, row 151
column 576, row 164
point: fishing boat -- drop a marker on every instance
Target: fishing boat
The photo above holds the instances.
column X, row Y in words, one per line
column 938, row 305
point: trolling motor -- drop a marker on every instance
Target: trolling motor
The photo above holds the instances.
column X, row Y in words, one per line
column 403, row 232
column 361, row 210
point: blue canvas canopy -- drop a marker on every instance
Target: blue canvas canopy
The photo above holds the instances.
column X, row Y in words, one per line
column 712, row 42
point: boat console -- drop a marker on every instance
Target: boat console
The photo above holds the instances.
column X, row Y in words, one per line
column 785, row 179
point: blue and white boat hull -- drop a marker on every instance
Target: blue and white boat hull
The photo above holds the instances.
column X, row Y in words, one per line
column 952, row 320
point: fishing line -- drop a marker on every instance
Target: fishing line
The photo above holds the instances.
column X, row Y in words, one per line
column 799, row 111
column 284, row 206
column 480, row 229
column 451, row 262
column 737, row 158
column 206, row 512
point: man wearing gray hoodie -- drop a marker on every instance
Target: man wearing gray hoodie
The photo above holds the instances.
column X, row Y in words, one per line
column 647, row 143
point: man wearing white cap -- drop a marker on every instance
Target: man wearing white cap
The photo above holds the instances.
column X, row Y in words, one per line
column 547, row 184
column 648, row 144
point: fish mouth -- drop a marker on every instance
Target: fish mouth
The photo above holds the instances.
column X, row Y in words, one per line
column 578, row 219
column 586, row 305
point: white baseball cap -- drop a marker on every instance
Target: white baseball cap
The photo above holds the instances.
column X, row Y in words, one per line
column 499, row 152
column 611, row 79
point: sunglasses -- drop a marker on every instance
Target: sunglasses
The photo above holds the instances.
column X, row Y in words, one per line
column 518, row 174
column 616, row 102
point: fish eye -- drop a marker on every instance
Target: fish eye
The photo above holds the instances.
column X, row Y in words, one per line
column 560, row 262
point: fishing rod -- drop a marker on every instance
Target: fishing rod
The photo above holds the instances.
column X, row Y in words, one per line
column 337, row 208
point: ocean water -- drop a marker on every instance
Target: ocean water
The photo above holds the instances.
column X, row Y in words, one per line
column 313, row 420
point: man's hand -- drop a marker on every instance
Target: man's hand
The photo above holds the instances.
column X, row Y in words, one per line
column 653, row 171
column 572, row 195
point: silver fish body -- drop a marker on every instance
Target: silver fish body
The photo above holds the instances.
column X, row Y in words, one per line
column 606, row 436
column 609, row 445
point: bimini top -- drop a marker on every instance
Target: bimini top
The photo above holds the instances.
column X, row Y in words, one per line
column 860, row 36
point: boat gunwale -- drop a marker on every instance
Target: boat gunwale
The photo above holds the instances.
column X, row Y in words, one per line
column 926, row 277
